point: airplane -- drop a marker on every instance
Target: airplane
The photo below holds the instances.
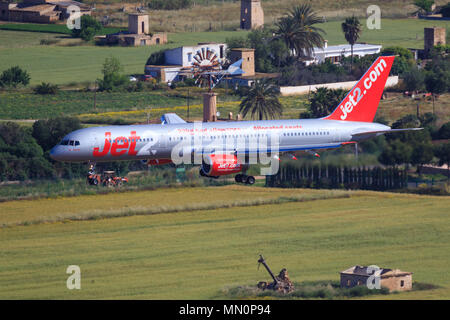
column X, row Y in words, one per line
column 224, row 148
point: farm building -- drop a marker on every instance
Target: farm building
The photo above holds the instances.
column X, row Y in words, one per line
column 175, row 60
column 138, row 33
column 182, row 57
column 392, row 279
column 40, row 11
column 335, row 53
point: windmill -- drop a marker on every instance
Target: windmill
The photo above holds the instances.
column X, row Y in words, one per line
column 208, row 70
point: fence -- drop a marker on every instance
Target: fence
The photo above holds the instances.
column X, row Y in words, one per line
column 337, row 177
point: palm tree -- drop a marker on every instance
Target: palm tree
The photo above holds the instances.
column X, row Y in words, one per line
column 298, row 31
column 352, row 31
column 261, row 100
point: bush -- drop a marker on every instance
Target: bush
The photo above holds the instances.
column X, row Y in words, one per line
column 169, row 4
column 444, row 131
column 112, row 76
column 89, row 28
column 46, row 88
column 445, row 10
column 13, row 77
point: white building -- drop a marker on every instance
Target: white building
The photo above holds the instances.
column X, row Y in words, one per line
column 334, row 53
column 182, row 57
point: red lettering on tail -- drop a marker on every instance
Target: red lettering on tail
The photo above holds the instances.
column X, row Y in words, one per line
column 361, row 103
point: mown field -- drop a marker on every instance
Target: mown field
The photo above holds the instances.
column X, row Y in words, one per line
column 225, row 14
column 134, row 107
column 199, row 254
column 80, row 64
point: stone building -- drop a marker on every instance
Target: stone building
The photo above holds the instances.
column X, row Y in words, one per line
column 432, row 37
column 138, row 33
column 252, row 14
column 40, row 11
column 392, row 279
column 248, row 66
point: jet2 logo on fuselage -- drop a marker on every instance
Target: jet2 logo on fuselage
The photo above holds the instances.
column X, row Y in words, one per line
column 118, row 147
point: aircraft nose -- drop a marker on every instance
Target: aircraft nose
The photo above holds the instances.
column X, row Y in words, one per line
column 55, row 153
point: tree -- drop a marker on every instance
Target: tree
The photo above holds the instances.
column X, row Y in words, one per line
column 396, row 153
column 437, row 83
column 414, row 80
column 48, row 133
column 297, row 29
column 14, row 76
column 261, row 101
column 444, row 131
column 352, row 31
column 89, row 27
column 323, row 101
column 423, row 6
column 422, row 153
column 443, row 154
column 112, row 76
column 445, row 10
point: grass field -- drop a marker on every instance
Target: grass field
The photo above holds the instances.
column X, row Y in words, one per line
column 224, row 15
column 75, row 64
column 199, row 254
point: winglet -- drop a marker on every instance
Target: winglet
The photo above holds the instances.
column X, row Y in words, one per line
column 361, row 103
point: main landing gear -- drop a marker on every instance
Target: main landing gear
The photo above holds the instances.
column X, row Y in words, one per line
column 242, row 178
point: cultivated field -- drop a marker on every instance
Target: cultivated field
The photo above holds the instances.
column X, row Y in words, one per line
column 80, row 64
column 198, row 254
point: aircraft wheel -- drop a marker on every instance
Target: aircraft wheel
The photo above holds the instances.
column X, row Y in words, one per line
column 250, row 180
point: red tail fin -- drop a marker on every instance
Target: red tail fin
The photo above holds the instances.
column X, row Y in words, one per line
column 361, row 103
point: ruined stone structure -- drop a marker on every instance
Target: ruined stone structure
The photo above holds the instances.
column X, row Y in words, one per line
column 138, row 33
column 252, row 14
column 433, row 36
column 392, row 279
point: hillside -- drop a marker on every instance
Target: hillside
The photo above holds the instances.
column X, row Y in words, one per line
column 225, row 14
column 198, row 254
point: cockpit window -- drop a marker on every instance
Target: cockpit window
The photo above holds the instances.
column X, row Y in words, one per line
column 64, row 142
column 71, row 142
column 77, row 143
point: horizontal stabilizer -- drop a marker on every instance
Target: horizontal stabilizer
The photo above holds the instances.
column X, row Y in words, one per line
column 171, row 118
column 385, row 131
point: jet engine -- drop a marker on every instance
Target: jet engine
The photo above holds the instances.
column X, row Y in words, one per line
column 216, row 165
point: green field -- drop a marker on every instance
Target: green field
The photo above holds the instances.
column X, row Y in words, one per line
column 199, row 254
column 75, row 64
column 48, row 28
column 69, row 64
